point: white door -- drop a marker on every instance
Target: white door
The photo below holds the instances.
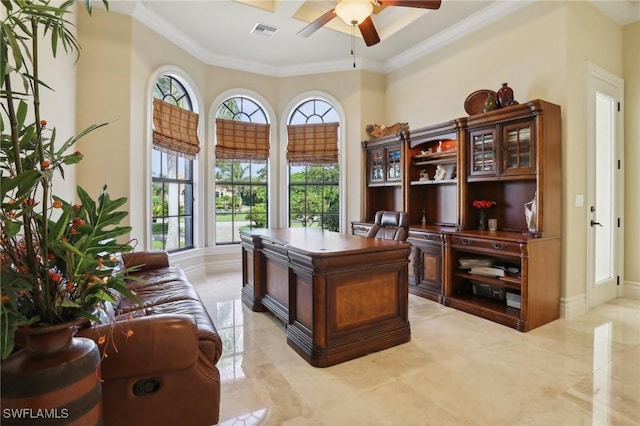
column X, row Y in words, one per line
column 605, row 196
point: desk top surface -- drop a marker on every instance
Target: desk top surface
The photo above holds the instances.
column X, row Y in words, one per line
column 322, row 242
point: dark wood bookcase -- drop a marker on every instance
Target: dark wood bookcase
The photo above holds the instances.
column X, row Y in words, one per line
column 509, row 155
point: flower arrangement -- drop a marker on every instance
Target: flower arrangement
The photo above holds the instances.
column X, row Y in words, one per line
column 483, row 204
column 58, row 258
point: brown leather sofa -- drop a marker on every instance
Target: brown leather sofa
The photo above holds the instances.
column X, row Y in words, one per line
column 165, row 372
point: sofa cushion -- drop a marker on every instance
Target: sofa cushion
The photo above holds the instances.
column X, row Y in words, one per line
column 209, row 341
column 169, row 291
column 148, row 278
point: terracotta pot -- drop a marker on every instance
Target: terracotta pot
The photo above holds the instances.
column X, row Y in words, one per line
column 55, row 377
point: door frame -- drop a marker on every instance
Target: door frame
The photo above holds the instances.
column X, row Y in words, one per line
column 596, row 73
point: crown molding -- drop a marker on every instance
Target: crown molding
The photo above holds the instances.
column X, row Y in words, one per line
column 467, row 26
column 486, row 16
column 139, row 12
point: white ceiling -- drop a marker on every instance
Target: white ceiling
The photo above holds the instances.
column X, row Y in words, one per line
column 218, row 32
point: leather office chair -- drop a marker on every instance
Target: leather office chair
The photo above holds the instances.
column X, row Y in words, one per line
column 390, row 225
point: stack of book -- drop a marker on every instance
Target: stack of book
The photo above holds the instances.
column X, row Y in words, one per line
column 471, row 262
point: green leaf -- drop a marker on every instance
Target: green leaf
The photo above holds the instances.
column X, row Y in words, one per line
column 11, row 228
column 21, row 113
column 11, row 38
column 87, row 202
column 24, row 183
column 66, row 303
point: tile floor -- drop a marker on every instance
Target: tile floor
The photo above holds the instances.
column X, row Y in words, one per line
column 457, row 369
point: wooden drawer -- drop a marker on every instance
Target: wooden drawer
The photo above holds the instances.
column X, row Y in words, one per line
column 488, row 246
column 418, row 236
column 274, row 248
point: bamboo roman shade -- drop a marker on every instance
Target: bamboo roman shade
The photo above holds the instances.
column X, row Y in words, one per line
column 175, row 129
column 239, row 140
column 313, row 143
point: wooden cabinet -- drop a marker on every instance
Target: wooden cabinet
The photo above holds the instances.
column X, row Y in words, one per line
column 433, row 172
column 514, row 155
column 503, row 150
column 426, row 264
column 385, row 159
column 360, row 228
column 511, row 156
column 531, row 277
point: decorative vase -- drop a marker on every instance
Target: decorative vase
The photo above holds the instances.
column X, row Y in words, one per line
column 482, row 219
column 55, row 376
column 490, row 104
column 505, row 96
column 531, row 215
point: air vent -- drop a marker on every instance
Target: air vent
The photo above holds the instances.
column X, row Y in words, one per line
column 264, row 30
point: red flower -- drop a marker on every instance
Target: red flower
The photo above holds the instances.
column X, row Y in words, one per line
column 483, row 204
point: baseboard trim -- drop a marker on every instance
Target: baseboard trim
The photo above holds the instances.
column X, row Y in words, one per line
column 574, row 306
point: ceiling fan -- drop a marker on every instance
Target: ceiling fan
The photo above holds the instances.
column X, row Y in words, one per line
column 358, row 13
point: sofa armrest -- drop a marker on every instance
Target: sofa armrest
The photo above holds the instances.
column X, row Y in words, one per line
column 161, row 342
column 145, row 260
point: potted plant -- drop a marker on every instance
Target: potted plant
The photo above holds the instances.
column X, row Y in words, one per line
column 59, row 258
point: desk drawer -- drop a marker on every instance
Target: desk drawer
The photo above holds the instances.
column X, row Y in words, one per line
column 426, row 236
column 274, row 247
column 486, row 245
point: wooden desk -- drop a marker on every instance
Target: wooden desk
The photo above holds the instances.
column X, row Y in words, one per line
column 340, row 296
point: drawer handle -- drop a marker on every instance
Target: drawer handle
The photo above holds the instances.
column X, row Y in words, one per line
column 466, row 242
column 499, row 246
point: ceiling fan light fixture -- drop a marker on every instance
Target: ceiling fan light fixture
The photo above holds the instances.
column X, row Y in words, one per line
column 353, row 12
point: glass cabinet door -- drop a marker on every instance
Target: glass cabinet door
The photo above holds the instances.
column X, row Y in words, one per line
column 393, row 164
column 517, row 148
column 483, row 153
column 376, row 165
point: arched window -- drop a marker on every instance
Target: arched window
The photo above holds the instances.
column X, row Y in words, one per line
column 314, row 174
column 241, row 169
column 171, row 180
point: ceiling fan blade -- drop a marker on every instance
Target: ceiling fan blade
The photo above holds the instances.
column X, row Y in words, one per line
column 317, row 24
column 369, row 33
column 422, row 4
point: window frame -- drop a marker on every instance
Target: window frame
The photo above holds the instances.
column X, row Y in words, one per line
column 189, row 215
column 251, row 184
column 290, row 185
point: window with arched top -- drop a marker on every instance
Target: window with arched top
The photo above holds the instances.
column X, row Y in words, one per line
column 172, row 198
column 241, row 168
column 314, row 172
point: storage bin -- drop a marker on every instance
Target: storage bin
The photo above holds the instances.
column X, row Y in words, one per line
column 488, row 290
column 513, row 300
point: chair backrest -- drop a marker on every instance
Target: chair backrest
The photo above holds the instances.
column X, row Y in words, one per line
column 390, row 225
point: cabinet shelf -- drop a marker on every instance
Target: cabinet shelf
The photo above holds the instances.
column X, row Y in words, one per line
column 434, row 182
column 506, row 281
column 447, row 160
column 380, row 184
column 495, row 310
column 444, row 156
